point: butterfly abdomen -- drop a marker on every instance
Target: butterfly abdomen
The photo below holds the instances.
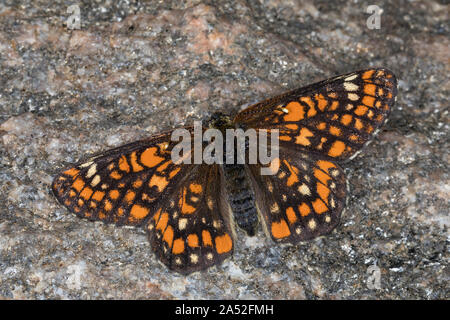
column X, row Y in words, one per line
column 241, row 198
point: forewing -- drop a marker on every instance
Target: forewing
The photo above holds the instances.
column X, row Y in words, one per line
column 191, row 230
column 334, row 118
column 123, row 185
column 303, row 199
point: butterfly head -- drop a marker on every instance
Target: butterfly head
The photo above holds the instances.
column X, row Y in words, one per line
column 220, row 121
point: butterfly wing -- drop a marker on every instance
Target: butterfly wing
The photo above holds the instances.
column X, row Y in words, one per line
column 334, row 118
column 191, row 230
column 303, row 199
column 319, row 125
column 187, row 220
column 123, row 185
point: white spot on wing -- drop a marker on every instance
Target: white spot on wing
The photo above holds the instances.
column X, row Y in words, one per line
column 182, row 223
column 95, row 181
column 353, row 96
column 350, row 86
column 304, row 189
column 87, row 164
column 92, row 170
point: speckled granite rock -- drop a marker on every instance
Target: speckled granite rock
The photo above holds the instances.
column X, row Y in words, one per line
column 135, row 69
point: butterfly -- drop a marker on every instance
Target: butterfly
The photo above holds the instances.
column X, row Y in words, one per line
column 190, row 211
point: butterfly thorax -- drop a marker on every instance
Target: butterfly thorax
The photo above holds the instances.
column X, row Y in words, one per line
column 239, row 193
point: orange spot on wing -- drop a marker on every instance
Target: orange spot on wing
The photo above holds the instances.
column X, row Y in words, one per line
column 321, row 176
column 370, row 89
column 196, row 188
column 114, row 194
column 78, row 184
column 292, row 126
column 137, row 183
column 178, row 246
column 280, row 229
column 335, row 131
column 304, row 209
column 333, row 95
column 368, row 101
column 380, row 91
column 325, row 165
column 321, row 126
column 149, row 157
column 223, row 243
column 336, row 149
column 86, row 193
column 159, row 182
column 123, row 164
column 303, row 137
column 290, row 213
column 174, row 172
column 115, row 175
column 71, row 172
column 368, row 74
column 163, row 166
column 98, row 195
column 346, row 119
column 107, row 205
column 312, row 111
column 319, row 206
column 129, row 196
column 293, row 177
column 285, row 138
column 321, row 102
column 296, row 111
column 134, row 164
column 323, row 192
column 206, row 238
column 185, row 208
column 162, row 222
column 192, row 240
column 322, row 141
column 334, row 106
column 157, row 215
column 308, row 101
column 168, row 236
column 358, row 124
column 361, row 110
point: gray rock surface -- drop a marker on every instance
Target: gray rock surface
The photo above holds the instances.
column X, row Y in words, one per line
column 134, row 69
